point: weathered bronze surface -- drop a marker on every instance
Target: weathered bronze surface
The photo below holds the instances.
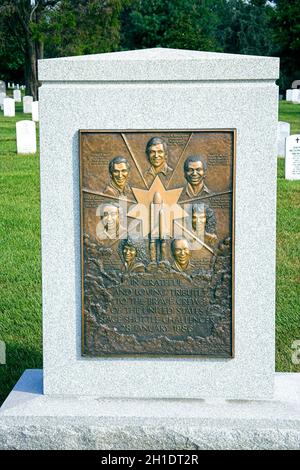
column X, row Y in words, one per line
column 157, row 211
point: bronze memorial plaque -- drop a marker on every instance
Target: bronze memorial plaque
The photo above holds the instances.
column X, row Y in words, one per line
column 157, row 227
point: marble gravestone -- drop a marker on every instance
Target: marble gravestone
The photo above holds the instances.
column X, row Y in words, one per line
column 295, row 95
column 2, row 96
column 17, row 96
column 35, row 111
column 26, row 137
column 9, row 107
column 2, row 87
column 284, row 129
column 292, row 157
column 289, row 95
column 94, row 109
column 27, row 104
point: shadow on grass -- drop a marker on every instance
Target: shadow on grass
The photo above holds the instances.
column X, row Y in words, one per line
column 18, row 358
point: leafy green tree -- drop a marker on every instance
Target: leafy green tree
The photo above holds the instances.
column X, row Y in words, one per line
column 84, row 27
column 11, row 55
column 286, row 37
column 25, row 21
column 53, row 28
column 245, row 26
column 186, row 24
column 192, row 25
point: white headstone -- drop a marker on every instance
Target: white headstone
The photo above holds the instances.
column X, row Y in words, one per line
column 2, row 96
column 35, row 111
column 292, row 157
column 2, row 87
column 27, row 104
column 18, row 86
column 26, row 137
column 289, row 95
column 17, row 96
column 284, row 130
column 296, row 84
column 295, row 95
column 9, row 107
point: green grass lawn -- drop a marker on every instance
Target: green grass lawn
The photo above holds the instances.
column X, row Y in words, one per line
column 20, row 271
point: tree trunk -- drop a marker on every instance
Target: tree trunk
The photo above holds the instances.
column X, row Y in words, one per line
column 31, row 75
column 31, row 12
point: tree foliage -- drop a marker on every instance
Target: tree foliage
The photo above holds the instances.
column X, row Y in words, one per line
column 23, row 24
column 183, row 24
column 84, row 27
column 286, row 39
column 244, row 27
column 33, row 29
column 52, row 28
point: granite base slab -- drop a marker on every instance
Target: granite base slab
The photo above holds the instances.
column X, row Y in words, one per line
column 31, row 420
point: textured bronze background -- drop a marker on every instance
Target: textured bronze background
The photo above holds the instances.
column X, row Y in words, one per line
column 152, row 295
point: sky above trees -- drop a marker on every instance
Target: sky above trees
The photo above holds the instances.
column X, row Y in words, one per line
column 34, row 29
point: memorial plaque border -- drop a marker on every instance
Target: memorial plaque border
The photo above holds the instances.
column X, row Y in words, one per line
column 157, row 355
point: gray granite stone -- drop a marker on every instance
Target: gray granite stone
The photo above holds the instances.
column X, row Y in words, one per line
column 30, row 420
column 210, row 100
column 159, row 65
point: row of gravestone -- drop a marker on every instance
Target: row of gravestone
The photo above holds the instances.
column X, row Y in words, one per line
column 25, row 129
column 11, row 86
column 17, row 86
column 293, row 95
column 29, row 106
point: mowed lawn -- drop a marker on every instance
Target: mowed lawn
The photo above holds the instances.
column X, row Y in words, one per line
column 20, row 269
column 288, row 256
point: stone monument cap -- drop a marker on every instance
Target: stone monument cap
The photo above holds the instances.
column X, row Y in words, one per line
column 159, row 64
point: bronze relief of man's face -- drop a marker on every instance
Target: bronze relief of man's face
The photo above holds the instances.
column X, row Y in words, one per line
column 195, row 173
column 129, row 254
column 110, row 218
column 181, row 253
column 157, row 155
column 198, row 220
column 120, row 174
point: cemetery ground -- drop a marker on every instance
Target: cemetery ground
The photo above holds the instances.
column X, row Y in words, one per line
column 20, row 268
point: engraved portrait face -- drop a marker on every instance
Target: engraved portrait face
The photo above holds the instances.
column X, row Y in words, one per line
column 129, row 253
column 156, row 151
column 198, row 219
column 110, row 219
column 157, row 155
column 120, row 174
column 195, row 173
column 181, row 252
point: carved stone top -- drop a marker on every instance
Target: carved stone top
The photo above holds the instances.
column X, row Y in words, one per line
column 159, row 64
